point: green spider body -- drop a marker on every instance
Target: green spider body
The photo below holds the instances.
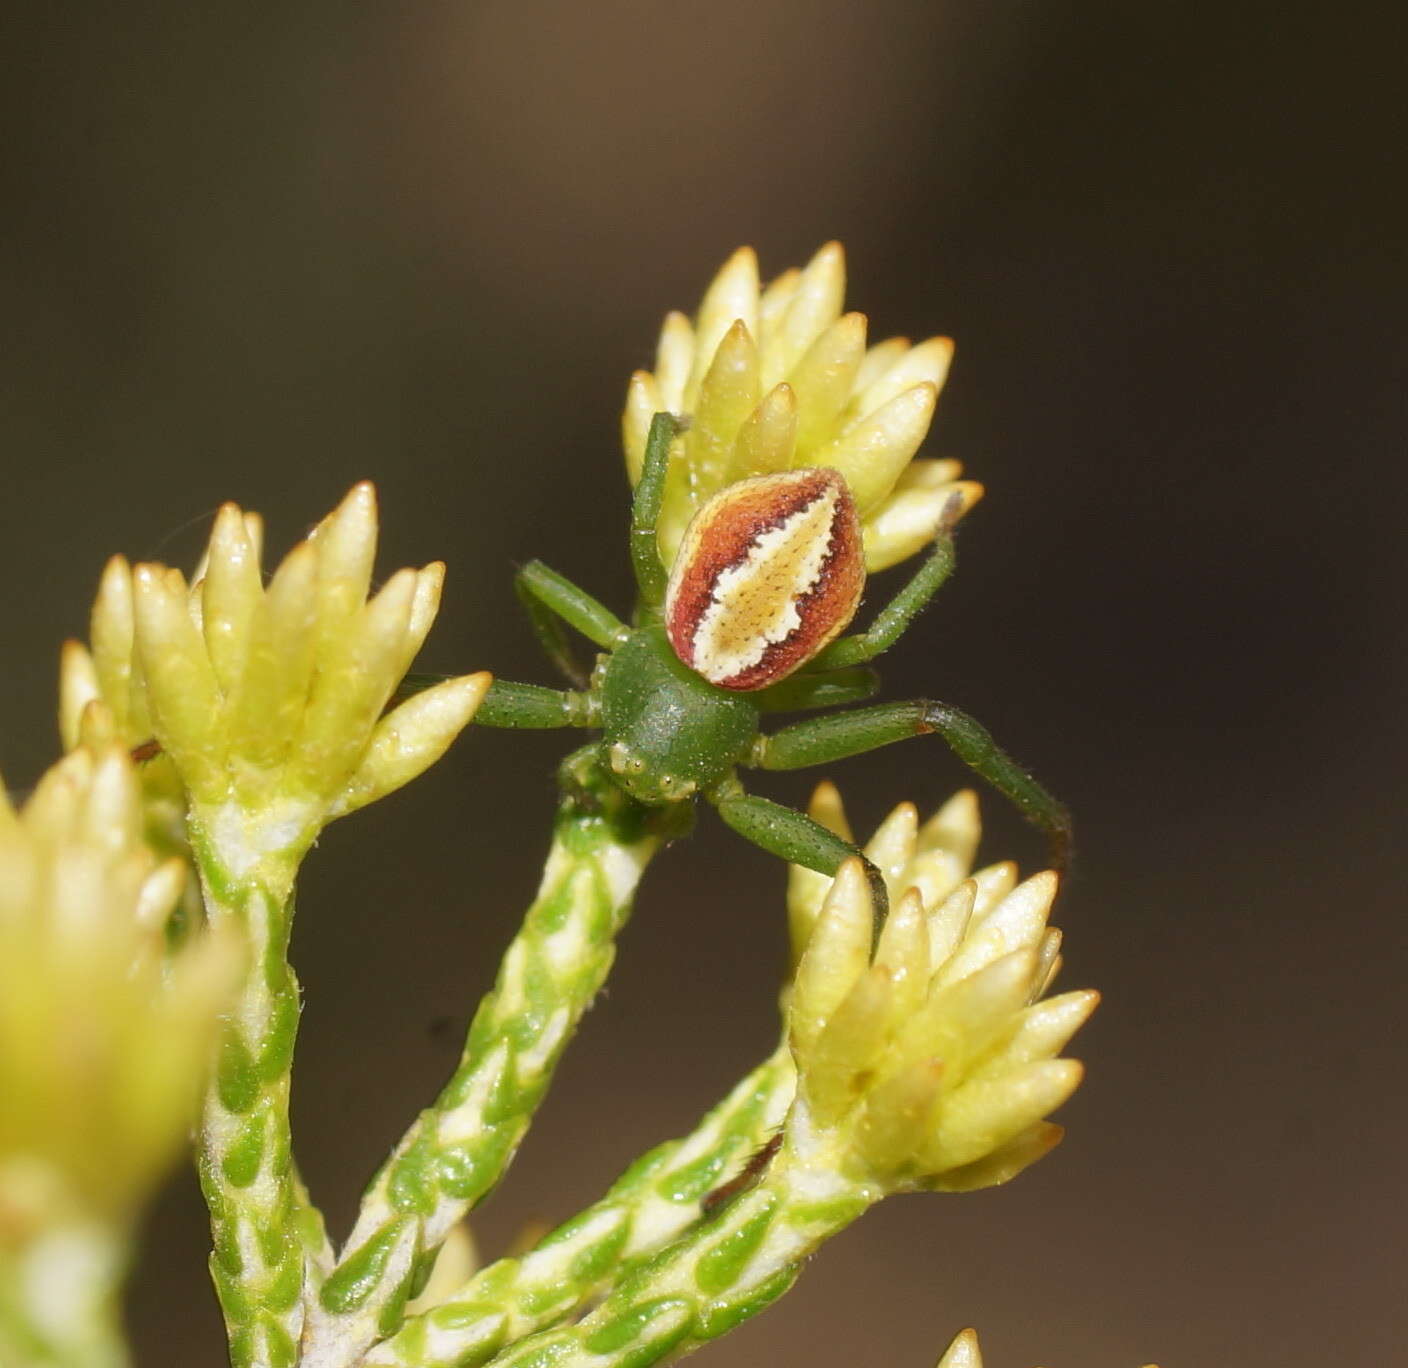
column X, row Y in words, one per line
column 667, row 733
column 767, row 578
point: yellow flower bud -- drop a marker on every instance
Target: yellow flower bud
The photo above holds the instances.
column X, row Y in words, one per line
column 934, row 858
column 267, row 702
column 931, row 1063
column 779, row 378
column 105, row 1034
column 964, row 1352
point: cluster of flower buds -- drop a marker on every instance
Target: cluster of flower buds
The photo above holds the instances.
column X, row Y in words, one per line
column 269, row 699
column 934, row 858
column 778, row 378
column 106, row 1021
column 927, row 1060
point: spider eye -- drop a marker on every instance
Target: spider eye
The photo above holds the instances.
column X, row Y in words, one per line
column 769, row 572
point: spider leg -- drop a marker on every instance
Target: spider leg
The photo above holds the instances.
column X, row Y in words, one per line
column 645, row 509
column 828, row 689
column 532, row 706
column 819, row 740
column 894, row 619
column 512, row 705
column 551, row 599
column 795, row 837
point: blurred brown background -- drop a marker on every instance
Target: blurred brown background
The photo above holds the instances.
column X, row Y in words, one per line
column 258, row 251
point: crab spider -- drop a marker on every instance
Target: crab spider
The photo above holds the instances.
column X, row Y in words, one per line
column 747, row 623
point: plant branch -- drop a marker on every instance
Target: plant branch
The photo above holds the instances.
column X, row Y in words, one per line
column 716, row 1275
column 265, row 1232
column 459, row 1148
column 656, row 1199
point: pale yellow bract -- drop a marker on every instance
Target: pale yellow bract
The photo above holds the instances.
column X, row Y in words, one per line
column 777, row 378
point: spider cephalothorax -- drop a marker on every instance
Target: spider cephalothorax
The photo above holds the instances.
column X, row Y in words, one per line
column 748, row 623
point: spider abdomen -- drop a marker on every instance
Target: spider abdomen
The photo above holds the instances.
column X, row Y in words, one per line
column 770, row 571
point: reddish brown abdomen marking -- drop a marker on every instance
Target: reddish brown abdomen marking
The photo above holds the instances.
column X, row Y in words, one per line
column 769, row 572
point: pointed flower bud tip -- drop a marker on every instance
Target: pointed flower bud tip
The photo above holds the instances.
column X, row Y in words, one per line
column 964, row 1352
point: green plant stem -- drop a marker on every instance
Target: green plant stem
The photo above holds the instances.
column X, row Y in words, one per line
column 265, row 1232
column 59, row 1299
column 457, row 1149
column 650, row 1204
column 719, row 1273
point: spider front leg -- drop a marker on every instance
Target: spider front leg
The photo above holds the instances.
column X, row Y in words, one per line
column 534, row 707
column 795, row 837
column 820, row 740
column 550, row 600
column 508, row 704
column 645, row 509
column 894, row 619
column 828, row 689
